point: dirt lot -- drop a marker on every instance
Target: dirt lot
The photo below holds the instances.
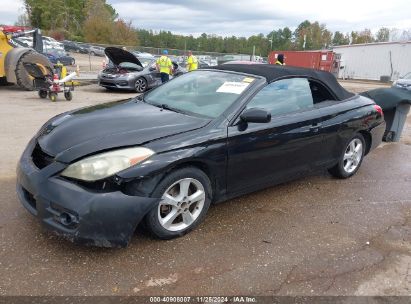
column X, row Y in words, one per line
column 314, row 236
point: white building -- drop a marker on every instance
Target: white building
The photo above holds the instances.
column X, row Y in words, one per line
column 373, row 60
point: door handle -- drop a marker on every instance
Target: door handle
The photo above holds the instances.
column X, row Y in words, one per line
column 315, row 126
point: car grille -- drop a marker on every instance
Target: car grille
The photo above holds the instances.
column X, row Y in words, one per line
column 40, row 158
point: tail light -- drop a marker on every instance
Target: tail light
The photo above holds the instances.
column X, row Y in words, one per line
column 379, row 109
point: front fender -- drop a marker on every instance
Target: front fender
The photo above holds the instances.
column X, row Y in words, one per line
column 145, row 177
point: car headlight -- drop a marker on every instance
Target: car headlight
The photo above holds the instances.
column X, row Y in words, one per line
column 106, row 164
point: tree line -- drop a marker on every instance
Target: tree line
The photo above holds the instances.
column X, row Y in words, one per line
column 96, row 21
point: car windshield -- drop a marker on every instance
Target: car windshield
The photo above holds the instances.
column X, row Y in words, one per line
column 200, row 93
column 408, row 76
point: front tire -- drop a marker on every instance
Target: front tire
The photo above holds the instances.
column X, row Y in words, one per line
column 185, row 198
column 141, row 85
column 53, row 97
column 351, row 158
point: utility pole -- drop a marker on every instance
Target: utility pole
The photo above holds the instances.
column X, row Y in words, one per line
column 271, row 40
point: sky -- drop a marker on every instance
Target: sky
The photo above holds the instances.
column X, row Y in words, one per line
column 248, row 17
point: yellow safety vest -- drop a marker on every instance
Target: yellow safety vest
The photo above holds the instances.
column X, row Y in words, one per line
column 165, row 64
column 192, row 63
column 278, row 62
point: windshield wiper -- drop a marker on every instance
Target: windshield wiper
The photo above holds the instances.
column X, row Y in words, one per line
column 164, row 106
column 167, row 107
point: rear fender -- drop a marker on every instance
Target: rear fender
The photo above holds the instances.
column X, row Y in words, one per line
column 10, row 64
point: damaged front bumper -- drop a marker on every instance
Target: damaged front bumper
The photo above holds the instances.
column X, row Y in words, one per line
column 106, row 219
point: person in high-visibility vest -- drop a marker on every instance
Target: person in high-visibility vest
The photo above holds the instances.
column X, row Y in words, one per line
column 192, row 62
column 165, row 66
column 280, row 59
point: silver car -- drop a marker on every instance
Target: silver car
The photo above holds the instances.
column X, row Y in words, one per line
column 96, row 50
column 126, row 71
column 403, row 82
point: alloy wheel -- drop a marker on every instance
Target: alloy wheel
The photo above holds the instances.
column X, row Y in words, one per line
column 140, row 85
column 181, row 204
column 353, row 155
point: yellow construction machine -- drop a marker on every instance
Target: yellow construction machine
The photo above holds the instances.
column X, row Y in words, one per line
column 13, row 55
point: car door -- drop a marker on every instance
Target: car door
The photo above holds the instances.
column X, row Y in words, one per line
column 260, row 154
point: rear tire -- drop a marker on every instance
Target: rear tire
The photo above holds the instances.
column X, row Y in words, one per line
column 68, row 95
column 351, row 158
column 188, row 204
column 24, row 80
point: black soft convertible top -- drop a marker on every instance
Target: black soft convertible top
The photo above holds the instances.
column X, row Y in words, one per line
column 273, row 72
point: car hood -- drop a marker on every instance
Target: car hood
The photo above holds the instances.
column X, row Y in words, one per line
column 118, row 56
column 76, row 134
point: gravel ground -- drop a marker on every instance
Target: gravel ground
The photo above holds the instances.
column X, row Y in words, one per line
column 314, row 236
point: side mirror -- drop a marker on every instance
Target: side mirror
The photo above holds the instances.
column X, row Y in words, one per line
column 256, row 115
column 152, row 68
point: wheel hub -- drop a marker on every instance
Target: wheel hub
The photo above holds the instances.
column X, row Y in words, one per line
column 181, row 204
column 353, row 155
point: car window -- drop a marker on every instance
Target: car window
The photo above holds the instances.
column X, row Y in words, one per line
column 203, row 93
column 408, row 76
column 284, row 96
column 319, row 92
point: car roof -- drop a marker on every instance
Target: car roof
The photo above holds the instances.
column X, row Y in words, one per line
column 273, row 72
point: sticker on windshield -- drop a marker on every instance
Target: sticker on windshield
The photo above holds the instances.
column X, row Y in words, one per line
column 248, row 79
column 232, row 87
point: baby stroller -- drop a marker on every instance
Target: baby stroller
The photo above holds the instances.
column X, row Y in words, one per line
column 48, row 83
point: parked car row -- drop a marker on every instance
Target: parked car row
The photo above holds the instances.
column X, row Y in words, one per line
column 49, row 43
column 72, row 46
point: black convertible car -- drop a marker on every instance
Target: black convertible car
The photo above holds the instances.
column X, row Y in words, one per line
column 94, row 174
